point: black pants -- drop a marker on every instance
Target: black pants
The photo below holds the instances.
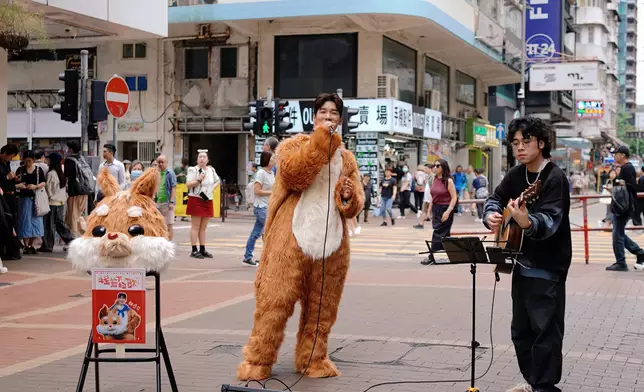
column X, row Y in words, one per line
column 441, row 229
column 54, row 222
column 406, row 203
column 367, row 206
column 538, row 310
column 418, row 199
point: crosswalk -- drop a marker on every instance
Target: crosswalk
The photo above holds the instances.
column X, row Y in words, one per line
column 406, row 241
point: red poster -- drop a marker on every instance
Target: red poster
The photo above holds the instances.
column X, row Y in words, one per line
column 118, row 305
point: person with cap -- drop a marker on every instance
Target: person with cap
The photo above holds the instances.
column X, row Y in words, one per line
column 620, row 239
column 54, row 222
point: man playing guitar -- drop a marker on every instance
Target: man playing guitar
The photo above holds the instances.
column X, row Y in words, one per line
column 539, row 277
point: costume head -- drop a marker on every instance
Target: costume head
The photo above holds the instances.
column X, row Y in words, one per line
column 125, row 229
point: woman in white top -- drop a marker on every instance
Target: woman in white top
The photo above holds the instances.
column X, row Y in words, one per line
column 201, row 182
column 54, row 222
column 263, row 187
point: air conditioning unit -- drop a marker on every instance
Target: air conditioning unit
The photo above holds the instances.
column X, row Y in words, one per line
column 387, row 86
column 433, row 99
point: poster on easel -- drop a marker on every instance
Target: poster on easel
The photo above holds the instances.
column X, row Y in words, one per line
column 118, row 305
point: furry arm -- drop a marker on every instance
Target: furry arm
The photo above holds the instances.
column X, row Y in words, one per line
column 300, row 159
column 351, row 206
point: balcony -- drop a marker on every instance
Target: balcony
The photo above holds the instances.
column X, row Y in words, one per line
column 592, row 15
column 631, row 13
column 631, row 27
column 631, row 56
column 631, row 40
column 630, row 84
column 630, row 70
column 630, row 97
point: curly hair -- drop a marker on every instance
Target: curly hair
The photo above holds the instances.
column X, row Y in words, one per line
column 532, row 126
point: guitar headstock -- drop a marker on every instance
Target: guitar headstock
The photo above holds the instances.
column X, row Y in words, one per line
column 531, row 192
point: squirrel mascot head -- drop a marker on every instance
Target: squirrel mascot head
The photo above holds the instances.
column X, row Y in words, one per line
column 125, row 230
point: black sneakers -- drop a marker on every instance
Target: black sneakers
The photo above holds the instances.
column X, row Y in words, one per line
column 617, row 267
column 250, row 262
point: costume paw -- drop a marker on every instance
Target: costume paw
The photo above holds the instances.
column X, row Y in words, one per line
column 247, row 371
column 321, row 369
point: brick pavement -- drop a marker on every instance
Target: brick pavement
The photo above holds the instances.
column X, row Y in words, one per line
column 398, row 320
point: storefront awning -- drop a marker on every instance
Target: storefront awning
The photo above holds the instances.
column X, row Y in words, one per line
column 613, row 139
column 574, row 142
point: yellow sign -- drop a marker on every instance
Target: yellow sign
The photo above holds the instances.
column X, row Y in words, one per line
column 182, row 201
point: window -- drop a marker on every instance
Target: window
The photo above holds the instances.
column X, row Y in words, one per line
column 196, row 63
column 465, row 89
column 399, row 60
column 307, row 65
column 437, row 79
column 134, row 51
column 228, row 62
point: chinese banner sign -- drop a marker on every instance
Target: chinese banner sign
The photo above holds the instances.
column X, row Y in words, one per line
column 118, row 305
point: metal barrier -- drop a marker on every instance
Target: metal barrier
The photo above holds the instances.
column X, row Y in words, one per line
column 583, row 228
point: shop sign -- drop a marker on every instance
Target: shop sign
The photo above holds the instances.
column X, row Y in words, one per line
column 590, row 109
column 491, row 139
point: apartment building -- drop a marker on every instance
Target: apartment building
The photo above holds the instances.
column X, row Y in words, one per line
column 627, row 62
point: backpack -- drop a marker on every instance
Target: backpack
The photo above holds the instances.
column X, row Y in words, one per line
column 621, row 202
column 482, row 191
column 86, row 182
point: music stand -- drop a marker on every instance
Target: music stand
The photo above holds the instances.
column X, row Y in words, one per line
column 470, row 250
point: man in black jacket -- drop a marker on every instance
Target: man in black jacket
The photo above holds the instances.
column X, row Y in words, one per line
column 539, row 277
column 620, row 239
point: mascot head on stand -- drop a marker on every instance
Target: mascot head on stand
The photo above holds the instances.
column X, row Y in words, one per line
column 125, row 230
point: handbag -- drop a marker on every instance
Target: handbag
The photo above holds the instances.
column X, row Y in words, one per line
column 41, row 200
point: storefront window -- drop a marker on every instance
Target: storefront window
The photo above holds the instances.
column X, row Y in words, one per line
column 437, row 84
column 465, row 89
column 307, row 65
column 399, row 60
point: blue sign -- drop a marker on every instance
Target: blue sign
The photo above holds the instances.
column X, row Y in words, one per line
column 544, row 30
column 500, row 131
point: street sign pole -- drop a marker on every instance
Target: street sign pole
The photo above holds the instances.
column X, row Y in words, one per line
column 117, row 100
column 84, row 106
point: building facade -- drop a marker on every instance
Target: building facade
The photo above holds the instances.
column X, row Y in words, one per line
column 627, row 55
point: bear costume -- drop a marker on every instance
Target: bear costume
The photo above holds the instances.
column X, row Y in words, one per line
column 290, row 267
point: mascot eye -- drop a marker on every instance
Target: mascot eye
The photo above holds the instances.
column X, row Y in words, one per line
column 135, row 230
column 99, row 231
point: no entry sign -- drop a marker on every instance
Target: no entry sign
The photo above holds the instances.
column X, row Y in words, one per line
column 117, row 96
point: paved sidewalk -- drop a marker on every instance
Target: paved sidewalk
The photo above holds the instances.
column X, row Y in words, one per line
column 398, row 321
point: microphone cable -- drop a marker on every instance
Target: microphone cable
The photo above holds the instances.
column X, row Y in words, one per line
column 317, row 325
column 496, row 280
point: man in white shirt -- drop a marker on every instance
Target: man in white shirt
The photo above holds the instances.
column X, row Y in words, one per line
column 113, row 165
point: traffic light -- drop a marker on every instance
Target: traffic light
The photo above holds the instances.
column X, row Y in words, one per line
column 68, row 108
column 249, row 124
column 265, row 121
column 97, row 106
column 281, row 112
column 347, row 124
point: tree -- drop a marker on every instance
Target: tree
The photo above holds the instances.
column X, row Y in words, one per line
column 625, row 125
column 18, row 25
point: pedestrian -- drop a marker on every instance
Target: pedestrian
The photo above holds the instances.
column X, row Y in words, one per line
column 388, row 192
column 427, row 198
column 54, row 221
column 10, row 249
column 405, row 192
column 79, row 188
column 166, row 194
column 113, row 166
column 271, row 144
column 444, row 200
column 626, row 175
column 31, row 179
column 367, row 186
column 480, row 191
column 136, row 170
column 201, row 182
column 460, row 182
column 539, row 279
column 263, row 188
column 420, row 179
column 607, row 189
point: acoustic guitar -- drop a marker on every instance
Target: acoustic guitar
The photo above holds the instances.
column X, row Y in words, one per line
column 509, row 234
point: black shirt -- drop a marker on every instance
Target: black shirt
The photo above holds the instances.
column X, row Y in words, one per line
column 8, row 186
column 548, row 243
column 387, row 192
column 627, row 173
column 34, row 178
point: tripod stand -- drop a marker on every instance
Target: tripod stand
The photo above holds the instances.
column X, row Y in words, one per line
column 470, row 250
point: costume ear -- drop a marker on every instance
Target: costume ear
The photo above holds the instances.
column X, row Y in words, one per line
column 103, row 312
column 109, row 185
column 147, row 184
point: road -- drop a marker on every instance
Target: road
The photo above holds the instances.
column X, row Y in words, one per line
column 398, row 320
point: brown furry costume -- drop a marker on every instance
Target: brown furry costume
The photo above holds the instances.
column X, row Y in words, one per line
column 291, row 268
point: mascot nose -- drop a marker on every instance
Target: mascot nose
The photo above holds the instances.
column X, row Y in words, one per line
column 112, row 236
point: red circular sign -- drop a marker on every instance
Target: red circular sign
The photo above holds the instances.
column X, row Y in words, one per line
column 117, row 96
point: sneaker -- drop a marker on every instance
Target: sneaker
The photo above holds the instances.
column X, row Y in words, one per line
column 617, row 267
column 428, row 260
column 418, row 214
column 521, row 388
column 196, row 255
column 383, row 224
column 206, row 254
column 401, row 217
column 419, row 226
column 249, row 262
column 357, row 230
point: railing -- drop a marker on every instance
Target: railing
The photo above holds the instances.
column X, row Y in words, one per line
column 582, row 228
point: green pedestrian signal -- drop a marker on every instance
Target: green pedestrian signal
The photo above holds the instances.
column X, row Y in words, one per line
column 266, row 128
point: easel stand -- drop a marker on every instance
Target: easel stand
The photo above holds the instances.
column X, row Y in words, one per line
column 160, row 350
column 470, row 250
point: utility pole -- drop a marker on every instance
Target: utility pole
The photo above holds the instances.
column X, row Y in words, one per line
column 30, row 125
column 524, row 20
column 84, row 106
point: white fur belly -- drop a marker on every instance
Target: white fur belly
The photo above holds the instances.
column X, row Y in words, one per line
column 310, row 214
